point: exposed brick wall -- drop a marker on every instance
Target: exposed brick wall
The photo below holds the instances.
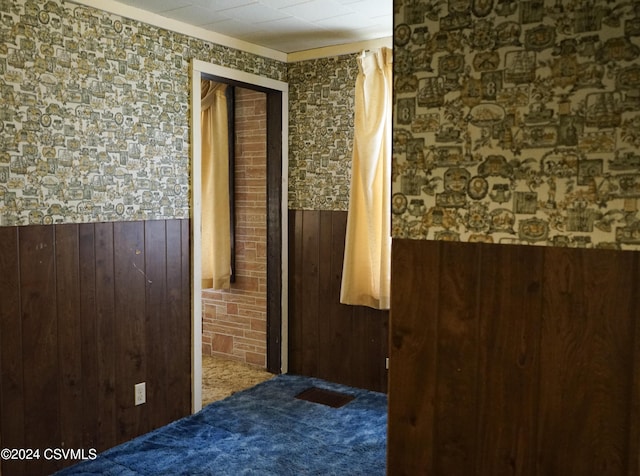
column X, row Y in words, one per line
column 235, row 321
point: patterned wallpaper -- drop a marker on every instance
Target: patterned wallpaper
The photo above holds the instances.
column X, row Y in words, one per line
column 321, row 105
column 94, row 114
column 517, row 122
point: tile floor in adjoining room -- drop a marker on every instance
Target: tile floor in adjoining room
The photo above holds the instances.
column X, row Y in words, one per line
column 222, row 377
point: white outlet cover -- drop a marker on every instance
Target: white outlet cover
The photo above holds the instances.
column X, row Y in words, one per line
column 140, row 393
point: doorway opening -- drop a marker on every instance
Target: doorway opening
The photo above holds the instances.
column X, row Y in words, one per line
column 276, row 94
column 234, row 313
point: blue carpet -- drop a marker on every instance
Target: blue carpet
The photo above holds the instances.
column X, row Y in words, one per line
column 262, row 431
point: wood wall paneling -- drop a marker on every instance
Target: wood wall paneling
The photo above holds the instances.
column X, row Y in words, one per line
column 131, row 351
column 344, row 344
column 178, row 333
column 38, row 303
column 12, row 414
column 87, row 311
column 457, row 347
column 508, row 359
column 155, row 275
column 106, row 334
column 513, row 360
column 69, row 339
column 588, row 321
column 409, row 411
column 89, row 331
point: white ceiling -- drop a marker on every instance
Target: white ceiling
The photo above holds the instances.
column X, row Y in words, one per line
column 283, row 25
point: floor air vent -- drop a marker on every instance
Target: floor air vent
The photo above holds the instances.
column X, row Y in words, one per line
column 325, row 397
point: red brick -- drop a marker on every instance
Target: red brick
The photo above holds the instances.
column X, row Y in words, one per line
column 222, row 343
column 255, row 359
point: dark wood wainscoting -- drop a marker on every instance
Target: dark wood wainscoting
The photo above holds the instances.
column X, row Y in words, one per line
column 329, row 340
column 513, row 360
column 86, row 312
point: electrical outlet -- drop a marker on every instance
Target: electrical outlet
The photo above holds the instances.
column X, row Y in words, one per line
column 140, row 392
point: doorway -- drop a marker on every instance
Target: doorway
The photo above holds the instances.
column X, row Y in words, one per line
column 276, row 249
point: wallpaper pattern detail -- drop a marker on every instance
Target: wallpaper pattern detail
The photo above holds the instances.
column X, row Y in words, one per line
column 517, row 122
column 94, row 114
column 321, row 99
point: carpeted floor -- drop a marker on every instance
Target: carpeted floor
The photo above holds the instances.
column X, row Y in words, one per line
column 223, row 377
column 264, row 431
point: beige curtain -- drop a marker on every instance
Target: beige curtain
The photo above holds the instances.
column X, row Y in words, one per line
column 366, row 273
column 216, row 241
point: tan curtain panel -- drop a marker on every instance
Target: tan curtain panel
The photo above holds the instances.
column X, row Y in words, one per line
column 366, row 273
column 216, row 241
